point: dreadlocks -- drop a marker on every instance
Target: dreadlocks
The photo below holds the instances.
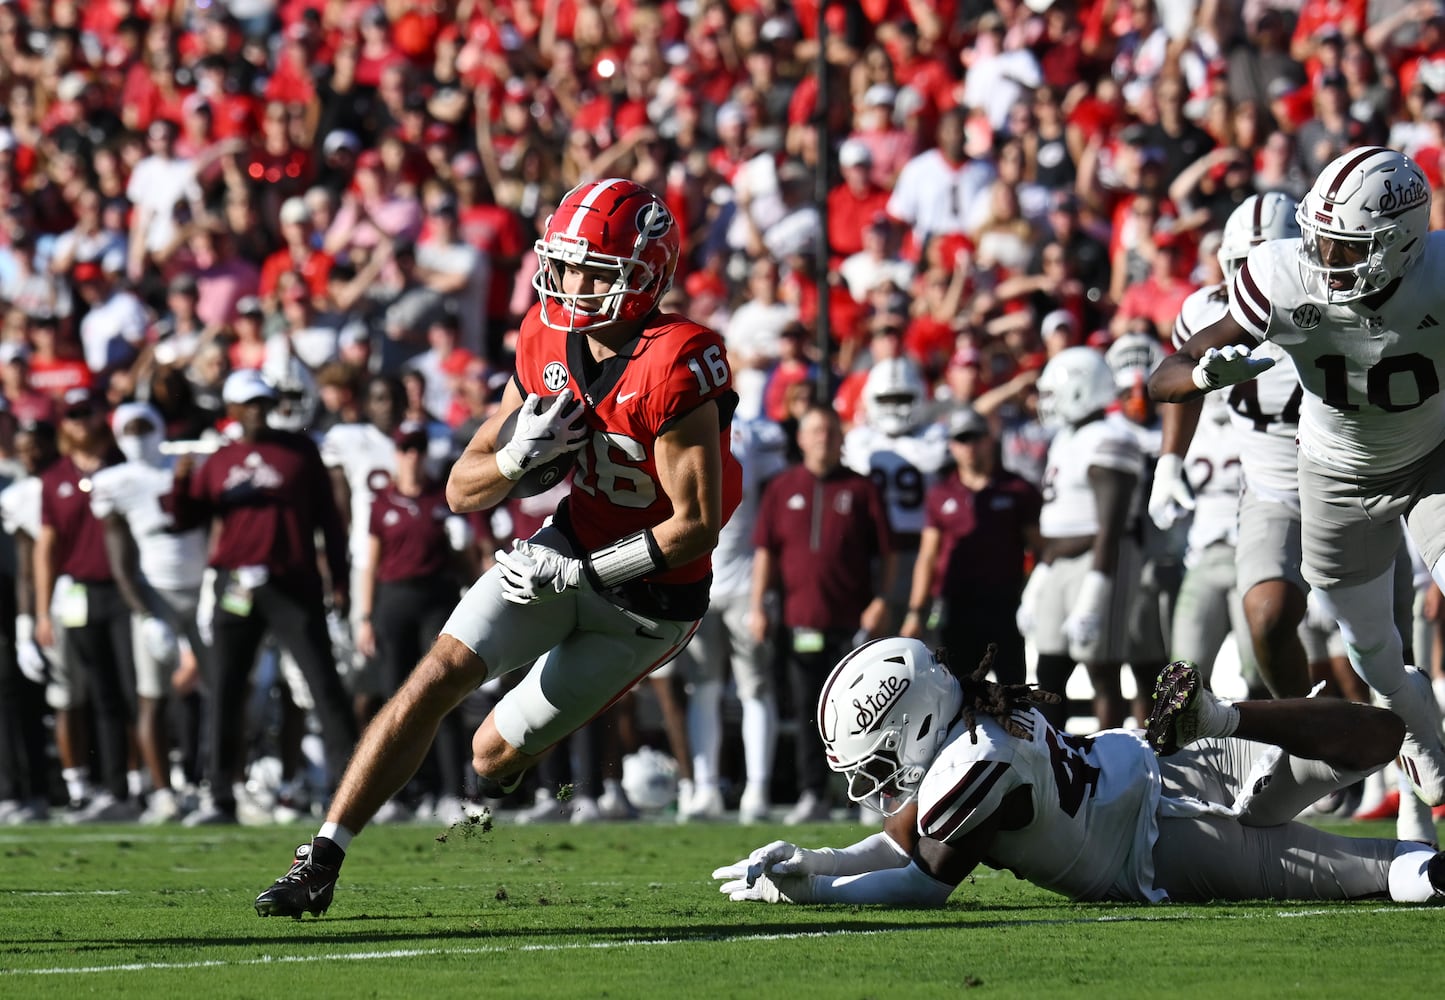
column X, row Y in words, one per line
column 997, row 700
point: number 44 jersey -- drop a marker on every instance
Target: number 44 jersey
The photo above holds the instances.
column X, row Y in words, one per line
column 1371, row 373
column 670, row 369
column 1263, row 411
column 1094, row 802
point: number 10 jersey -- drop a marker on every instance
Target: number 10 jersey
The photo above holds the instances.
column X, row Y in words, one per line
column 1371, row 376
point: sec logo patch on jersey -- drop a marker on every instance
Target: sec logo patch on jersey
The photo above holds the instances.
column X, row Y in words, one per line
column 1306, row 317
column 555, row 376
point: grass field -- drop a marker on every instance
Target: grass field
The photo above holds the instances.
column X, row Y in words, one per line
column 630, row 911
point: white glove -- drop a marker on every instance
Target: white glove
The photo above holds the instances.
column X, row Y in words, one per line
column 770, row 889
column 532, row 574
column 1171, row 496
column 1318, row 613
column 459, row 533
column 1026, row 616
column 31, row 660
column 1228, row 365
column 541, row 435
column 777, row 858
column 158, row 639
column 1091, row 605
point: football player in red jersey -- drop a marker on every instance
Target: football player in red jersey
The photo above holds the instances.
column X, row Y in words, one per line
column 615, row 586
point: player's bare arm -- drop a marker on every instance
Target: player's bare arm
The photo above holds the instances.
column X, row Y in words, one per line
column 1173, row 381
column 475, row 482
column 689, row 469
column 1113, row 492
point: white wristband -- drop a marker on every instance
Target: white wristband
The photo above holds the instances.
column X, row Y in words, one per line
column 625, row 559
column 1200, row 377
column 508, row 465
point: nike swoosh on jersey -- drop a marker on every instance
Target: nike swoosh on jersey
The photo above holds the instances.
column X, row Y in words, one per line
column 623, row 397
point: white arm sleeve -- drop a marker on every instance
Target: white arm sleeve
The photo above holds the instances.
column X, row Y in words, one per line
column 876, row 853
column 908, row 885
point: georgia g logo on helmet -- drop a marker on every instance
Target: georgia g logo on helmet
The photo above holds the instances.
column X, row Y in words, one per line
column 654, row 220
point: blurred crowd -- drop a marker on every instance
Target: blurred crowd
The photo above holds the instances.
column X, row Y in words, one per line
column 341, row 196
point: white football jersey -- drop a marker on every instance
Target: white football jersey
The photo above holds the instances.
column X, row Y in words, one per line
column 1212, row 467
column 1264, row 411
column 366, row 455
column 903, row 468
column 168, row 560
column 1371, row 377
column 761, row 448
column 1069, row 510
column 20, row 507
column 1094, row 801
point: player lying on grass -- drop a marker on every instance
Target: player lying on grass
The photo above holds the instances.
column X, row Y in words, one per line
column 968, row 772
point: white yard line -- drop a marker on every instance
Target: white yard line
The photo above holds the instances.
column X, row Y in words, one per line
column 394, row 953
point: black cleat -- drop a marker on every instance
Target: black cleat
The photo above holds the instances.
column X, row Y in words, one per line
column 307, row 887
column 490, row 788
column 1179, row 695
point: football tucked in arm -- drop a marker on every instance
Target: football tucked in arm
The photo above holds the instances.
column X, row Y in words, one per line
column 546, row 474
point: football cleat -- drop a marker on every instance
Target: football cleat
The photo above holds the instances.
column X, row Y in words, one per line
column 1422, row 754
column 306, row 888
column 1180, row 701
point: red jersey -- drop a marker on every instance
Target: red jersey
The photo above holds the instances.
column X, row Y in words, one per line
column 674, row 367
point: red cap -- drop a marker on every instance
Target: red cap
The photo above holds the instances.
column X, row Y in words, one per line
column 86, row 270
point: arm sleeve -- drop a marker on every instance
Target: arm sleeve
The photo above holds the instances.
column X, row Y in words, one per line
column 905, row 886
column 338, row 558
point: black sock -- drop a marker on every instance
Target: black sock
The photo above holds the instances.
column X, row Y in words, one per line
column 325, row 851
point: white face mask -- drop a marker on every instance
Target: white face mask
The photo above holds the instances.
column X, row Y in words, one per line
column 144, row 448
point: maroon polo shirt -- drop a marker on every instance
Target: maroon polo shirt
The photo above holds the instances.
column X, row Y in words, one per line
column 412, row 534
column 981, row 533
column 271, row 497
column 823, row 535
column 79, row 537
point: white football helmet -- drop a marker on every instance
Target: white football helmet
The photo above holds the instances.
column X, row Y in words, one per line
column 649, row 779
column 1362, row 224
column 884, row 715
column 893, row 396
column 1131, row 356
column 298, row 396
column 1260, row 217
column 1075, row 384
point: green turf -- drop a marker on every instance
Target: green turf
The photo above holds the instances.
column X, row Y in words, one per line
column 630, row 911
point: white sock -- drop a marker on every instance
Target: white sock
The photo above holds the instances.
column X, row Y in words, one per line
column 704, row 730
column 337, row 834
column 1218, row 719
column 135, row 783
column 75, row 784
column 760, row 736
column 1408, row 881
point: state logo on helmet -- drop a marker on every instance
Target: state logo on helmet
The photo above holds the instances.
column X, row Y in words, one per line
column 884, row 715
column 616, row 228
column 1362, row 224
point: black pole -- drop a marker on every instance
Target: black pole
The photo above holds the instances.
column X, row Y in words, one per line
column 820, row 197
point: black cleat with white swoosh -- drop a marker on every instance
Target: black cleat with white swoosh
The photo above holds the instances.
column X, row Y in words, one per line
column 306, row 888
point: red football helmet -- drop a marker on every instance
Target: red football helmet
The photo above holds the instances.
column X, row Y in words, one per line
column 614, row 226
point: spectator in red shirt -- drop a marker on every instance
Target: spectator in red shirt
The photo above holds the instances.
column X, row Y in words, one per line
column 853, row 204
column 300, row 253
column 1158, row 297
column 54, row 367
